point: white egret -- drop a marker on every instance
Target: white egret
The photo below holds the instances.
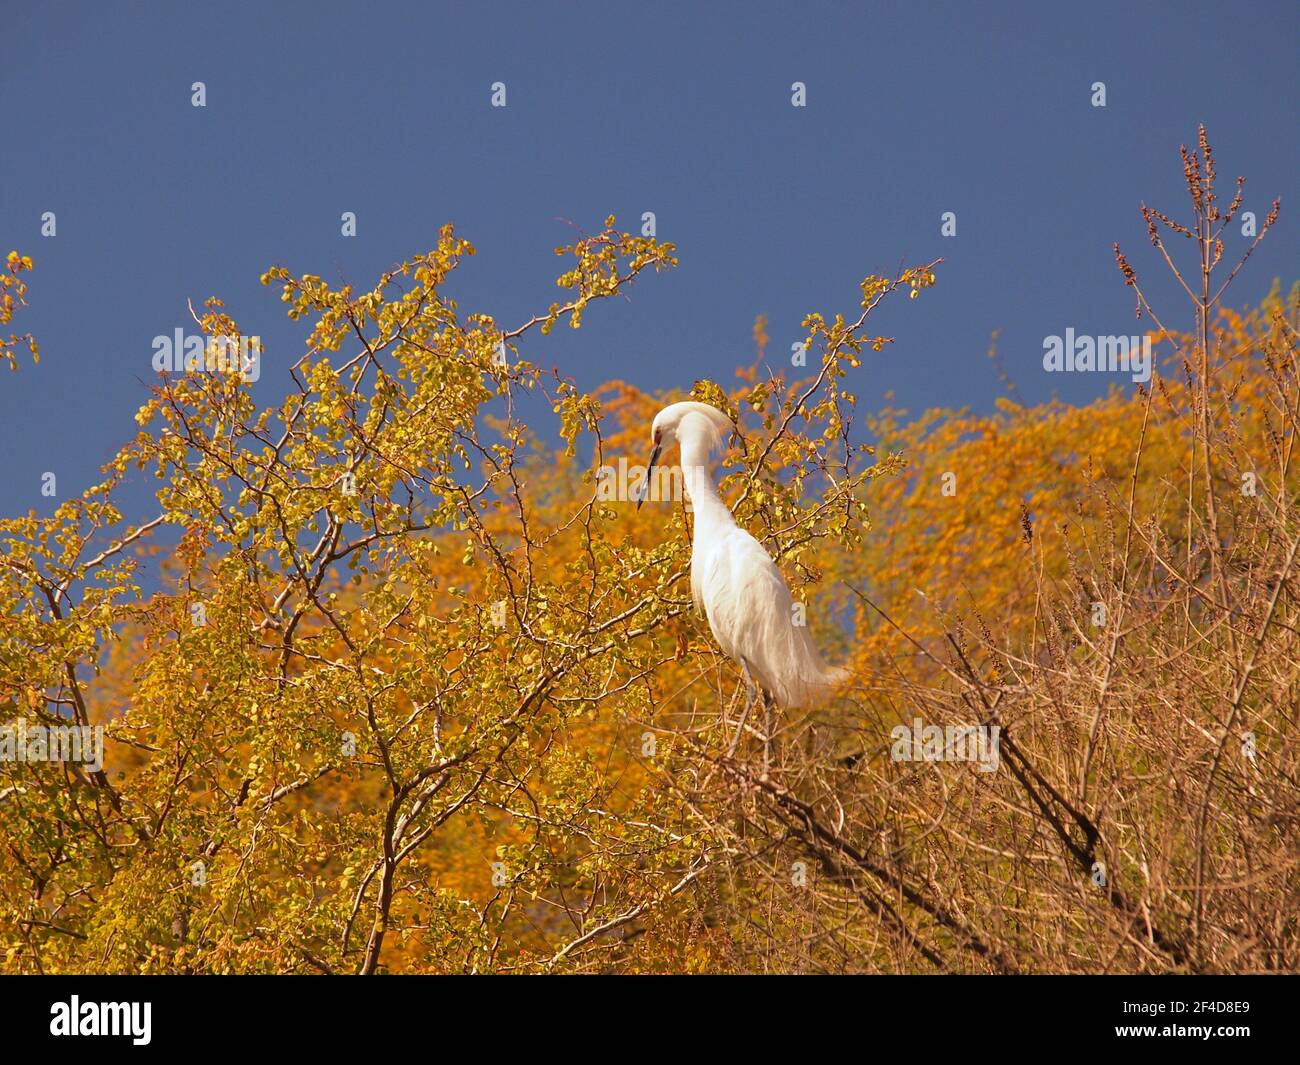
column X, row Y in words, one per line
column 733, row 579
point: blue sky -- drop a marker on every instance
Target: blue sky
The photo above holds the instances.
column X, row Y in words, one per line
column 684, row 109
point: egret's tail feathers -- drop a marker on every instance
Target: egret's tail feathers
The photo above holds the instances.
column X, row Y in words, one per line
column 826, row 686
column 799, row 678
column 838, row 676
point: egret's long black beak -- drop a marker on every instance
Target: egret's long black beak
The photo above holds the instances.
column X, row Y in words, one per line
column 649, row 472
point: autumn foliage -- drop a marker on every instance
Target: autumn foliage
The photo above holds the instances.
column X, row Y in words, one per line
column 416, row 696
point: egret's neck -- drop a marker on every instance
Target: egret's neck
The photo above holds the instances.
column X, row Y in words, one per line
column 705, row 502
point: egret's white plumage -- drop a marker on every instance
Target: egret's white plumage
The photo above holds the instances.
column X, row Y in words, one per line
column 733, row 579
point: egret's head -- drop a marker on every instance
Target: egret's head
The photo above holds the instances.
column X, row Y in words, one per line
column 681, row 421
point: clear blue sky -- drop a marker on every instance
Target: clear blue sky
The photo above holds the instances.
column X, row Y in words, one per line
column 914, row 109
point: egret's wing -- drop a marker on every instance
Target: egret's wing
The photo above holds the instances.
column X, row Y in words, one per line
column 747, row 594
column 702, row 563
column 750, row 610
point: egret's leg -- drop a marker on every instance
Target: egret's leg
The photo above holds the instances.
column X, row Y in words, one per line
column 767, row 731
column 744, row 714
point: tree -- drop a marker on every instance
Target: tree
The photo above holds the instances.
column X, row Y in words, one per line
column 423, row 692
column 389, row 635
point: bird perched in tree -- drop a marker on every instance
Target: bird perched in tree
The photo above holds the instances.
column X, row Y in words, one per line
column 733, row 579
